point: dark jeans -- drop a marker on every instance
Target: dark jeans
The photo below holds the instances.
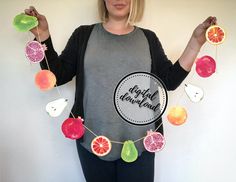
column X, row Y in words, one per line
column 97, row 170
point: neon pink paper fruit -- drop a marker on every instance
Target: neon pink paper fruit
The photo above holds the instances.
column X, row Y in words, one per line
column 34, row 51
column 73, row 128
column 154, row 141
column 205, row 66
column 45, row 80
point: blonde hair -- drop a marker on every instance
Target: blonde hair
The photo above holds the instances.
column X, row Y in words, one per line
column 135, row 15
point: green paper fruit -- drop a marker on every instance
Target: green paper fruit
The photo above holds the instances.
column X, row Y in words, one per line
column 129, row 152
column 24, row 23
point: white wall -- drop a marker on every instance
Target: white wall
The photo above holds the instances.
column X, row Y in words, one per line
column 32, row 148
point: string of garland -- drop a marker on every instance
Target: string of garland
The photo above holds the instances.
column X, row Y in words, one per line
column 74, row 128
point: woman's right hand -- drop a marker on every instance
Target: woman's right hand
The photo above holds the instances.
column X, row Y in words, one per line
column 41, row 32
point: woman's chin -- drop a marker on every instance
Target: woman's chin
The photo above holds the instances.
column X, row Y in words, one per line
column 119, row 16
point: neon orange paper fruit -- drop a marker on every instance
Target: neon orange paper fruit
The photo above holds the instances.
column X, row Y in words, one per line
column 45, row 80
column 215, row 35
column 177, row 115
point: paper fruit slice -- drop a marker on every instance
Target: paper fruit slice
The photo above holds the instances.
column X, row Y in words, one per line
column 205, row 66
column 154, row 141
column 215, row 35
column 177, row 115
column 34, row 51
column 55, row 108
column 194, row 93
column 101, row 146
column 73, row 128
column 45, row 80
column 24, row 23
column 129, row 152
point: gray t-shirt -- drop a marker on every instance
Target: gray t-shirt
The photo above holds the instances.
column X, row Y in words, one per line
column 108, row 59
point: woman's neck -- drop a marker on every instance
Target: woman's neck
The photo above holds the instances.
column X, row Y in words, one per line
column 119, row 27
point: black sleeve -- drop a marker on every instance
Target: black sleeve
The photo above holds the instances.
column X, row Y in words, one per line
column 171, row 74
column 63, row 66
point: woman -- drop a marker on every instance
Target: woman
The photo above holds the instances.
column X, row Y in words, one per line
column 99, row 56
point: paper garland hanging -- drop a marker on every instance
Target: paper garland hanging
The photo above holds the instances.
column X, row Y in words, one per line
column 129, row 152
column 205, row 67
column 74, row 128
column 154, row 141
column 101, row 146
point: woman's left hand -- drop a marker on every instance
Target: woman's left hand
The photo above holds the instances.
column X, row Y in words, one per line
column 200, row 30
column 195, row 43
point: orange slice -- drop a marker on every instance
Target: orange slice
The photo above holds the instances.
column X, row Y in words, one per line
column 215, row 35
column 101, row 146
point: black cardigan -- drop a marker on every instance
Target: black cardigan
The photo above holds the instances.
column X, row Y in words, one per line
column 71, row 63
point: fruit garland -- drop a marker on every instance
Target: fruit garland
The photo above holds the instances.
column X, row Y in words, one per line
column 74, row 128
column 205, row 67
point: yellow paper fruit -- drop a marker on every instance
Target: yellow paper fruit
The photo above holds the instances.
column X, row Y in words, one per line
column 177, row 115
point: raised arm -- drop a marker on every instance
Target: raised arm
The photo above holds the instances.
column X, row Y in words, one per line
column 173, row 74
column 63, row 66
column 41, row 32
column 195, row 43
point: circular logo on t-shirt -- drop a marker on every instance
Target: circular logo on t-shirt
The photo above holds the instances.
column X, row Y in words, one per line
column 140, row 98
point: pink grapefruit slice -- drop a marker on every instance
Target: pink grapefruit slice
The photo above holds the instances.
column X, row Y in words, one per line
column 215, row 35
column 101, row 146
